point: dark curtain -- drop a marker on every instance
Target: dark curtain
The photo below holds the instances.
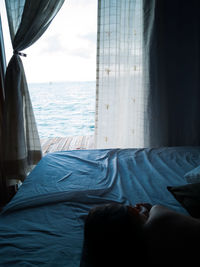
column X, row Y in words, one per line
column 20, row 143
column 171, row 64
column 2, row 70
column 3, row 189
column 28, row 20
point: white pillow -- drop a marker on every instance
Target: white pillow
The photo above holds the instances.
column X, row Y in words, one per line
column 193, row 176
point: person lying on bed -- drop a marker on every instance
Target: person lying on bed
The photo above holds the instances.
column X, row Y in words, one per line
column 119, row 235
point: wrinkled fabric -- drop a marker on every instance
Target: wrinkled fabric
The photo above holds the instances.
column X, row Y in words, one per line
column 43, row 223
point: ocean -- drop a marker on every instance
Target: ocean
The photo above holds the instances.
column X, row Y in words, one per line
column 64, row 109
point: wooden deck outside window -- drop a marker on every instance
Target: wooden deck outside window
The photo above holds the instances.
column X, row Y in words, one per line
column 50, row 145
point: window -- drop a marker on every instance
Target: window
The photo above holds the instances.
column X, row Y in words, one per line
column 61, row 71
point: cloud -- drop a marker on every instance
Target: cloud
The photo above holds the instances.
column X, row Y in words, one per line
column 52, row 44
column 72, row 32
column 81, row 46
column 91, row 37
column 67, row 50
column 86, row 53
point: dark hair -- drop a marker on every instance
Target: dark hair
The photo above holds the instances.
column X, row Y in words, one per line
column 112, row 236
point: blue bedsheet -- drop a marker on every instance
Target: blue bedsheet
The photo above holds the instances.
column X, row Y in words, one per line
column 43, row 224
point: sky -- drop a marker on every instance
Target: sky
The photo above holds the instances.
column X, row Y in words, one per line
column 67, row 50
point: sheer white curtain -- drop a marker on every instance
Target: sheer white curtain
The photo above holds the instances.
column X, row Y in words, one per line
column 28, row 20
column 120, row 94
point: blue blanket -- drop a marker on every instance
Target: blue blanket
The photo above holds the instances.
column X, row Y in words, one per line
column 43, row 223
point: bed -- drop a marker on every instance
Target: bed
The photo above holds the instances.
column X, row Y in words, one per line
column 43, row 224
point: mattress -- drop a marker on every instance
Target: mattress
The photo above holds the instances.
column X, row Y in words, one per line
column 43, row 224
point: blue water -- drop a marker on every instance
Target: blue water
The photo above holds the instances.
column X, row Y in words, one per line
column 64, row 109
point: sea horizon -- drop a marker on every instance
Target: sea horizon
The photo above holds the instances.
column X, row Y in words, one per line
column 52, row 82
column 65, row 108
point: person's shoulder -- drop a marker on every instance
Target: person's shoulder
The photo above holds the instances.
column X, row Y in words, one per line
column 161, row 216
column 159, row 212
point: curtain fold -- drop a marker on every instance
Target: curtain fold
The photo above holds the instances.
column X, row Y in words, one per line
column 35, row 18
column 148, row 73
column 3, row 188
column 28, row 20
column 2, row 71
column 119, row 92
column 172, row 72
